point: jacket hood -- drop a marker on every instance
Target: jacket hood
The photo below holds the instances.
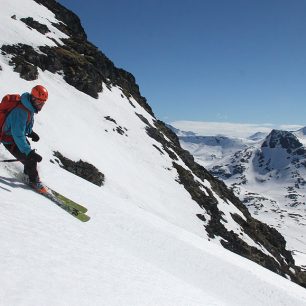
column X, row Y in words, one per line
column 26, row 101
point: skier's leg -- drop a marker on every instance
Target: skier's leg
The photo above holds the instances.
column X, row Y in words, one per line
column 30, row 166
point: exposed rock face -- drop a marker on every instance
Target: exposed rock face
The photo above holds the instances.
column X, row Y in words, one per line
column 81, row 169
column 33, row 24
column 71, row 24
column 282, row 139
column 23, row 60
column 280, row 149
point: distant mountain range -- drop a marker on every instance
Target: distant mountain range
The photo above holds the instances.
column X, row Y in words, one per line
column 266, row 171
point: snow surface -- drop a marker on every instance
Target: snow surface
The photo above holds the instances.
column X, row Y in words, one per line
column 124, row 256
column 15, row 31
column 143, row 244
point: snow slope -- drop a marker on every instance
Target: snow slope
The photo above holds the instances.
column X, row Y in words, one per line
column 143, row 244
column 124, row 255
column 210, row 149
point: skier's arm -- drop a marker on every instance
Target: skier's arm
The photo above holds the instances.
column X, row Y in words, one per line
column 18, row 128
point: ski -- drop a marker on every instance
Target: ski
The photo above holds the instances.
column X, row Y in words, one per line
column 62, row 201
column 67, row 201
column 76, row 210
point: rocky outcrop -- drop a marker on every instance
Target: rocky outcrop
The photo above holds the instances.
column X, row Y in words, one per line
column 70, row 23
column 82, row 169
column 119, row 129
column 23, row 60
column 283, row 140
column 33, row 24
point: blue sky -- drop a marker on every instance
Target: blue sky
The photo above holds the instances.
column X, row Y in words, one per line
column 217, row 60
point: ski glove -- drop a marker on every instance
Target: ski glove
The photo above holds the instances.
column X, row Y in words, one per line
column 34, row 136
column 33, row 156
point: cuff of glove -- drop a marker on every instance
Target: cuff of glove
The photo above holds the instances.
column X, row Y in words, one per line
column 34, row 156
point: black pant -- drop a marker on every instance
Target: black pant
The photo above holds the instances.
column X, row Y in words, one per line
column 30, row 166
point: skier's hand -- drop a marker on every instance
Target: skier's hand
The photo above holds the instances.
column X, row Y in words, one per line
column 34, row 156
column 34, row 136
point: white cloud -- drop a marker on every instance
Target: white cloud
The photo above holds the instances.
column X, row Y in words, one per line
column 229, row 129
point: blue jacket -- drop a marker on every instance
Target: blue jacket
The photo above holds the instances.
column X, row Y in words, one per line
column 16, row 124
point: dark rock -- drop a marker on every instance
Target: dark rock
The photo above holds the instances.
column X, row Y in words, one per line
column 201, row 217
column 282, row 139
column 132, row 104
column 27, row 71
column 33, row 24
column 143, row 119
column 110, row 119
column 158, row 149
column 70, row 22
column 238, row 169
column 120, row 130
column 25, row 68
column 159, row 137
column 82, row 169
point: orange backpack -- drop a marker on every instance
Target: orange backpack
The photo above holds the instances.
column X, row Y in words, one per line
column 8, row 103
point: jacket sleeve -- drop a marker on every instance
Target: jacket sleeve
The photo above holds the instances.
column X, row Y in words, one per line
column 18, row 130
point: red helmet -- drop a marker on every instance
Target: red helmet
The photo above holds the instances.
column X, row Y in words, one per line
column 39, row 96
column 39, row 92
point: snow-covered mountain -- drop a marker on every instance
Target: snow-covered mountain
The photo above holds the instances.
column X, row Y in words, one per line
column 267, row 172
column 208, row 149
column 162, row 227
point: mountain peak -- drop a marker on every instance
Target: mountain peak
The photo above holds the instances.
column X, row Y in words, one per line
column 302, row 131
column 66, row 17
column 257, row 136
column 282, row 140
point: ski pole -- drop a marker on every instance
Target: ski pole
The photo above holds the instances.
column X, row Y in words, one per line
column 9, row 160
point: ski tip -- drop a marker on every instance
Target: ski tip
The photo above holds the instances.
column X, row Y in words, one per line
column 83, row 217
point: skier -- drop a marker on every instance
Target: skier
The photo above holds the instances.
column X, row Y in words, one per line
column 18, row 125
